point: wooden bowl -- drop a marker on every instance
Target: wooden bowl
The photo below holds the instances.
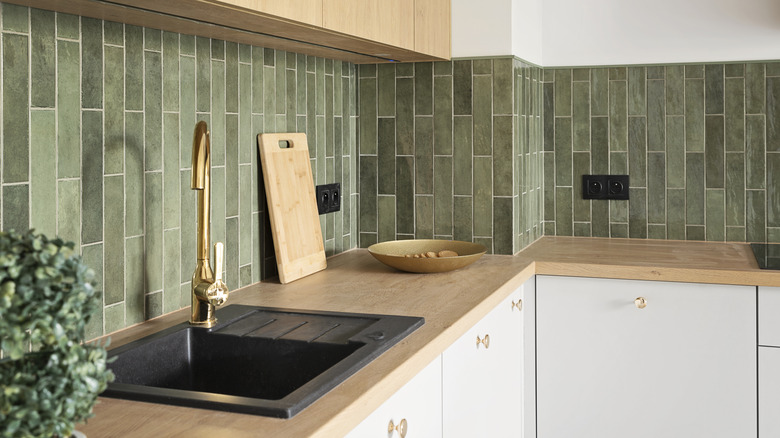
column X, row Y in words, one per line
column 394, row 254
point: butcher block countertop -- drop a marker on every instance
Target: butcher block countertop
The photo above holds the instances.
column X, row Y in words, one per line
column 450, row 302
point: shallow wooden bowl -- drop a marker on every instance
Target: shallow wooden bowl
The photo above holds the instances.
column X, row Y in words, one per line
column 393, row 254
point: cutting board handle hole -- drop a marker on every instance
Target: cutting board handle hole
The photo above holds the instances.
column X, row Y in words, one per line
column 285, row 144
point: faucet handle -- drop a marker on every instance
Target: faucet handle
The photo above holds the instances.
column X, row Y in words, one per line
column 217, row 292
column 219, row 250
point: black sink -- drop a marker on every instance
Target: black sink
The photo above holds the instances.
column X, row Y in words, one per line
column 256, row 360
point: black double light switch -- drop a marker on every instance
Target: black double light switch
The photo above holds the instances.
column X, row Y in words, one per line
column 604, row 186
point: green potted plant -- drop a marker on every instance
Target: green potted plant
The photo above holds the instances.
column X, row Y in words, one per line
column 50, row 377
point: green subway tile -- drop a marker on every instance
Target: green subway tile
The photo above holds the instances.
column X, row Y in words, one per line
column 619, row 231
column 618, row 210
column 368, row 239
column 462, row 155
column 218, row 230
column 269, row 57
column 171, row 194
column 656, row 188
column 170, row 69
column 755, row 88
column 548, row 123
column 115, row 318
column 461, row 87
column 462, row 213
column 483, row 196
column 187, row 118
column 423, row 153
column 675, row 220
column 755, row 151
column 15, row 18
column 581, row 164
column 385, row 92
column 582, row 229
column 695, row 232
column 189, row 211
column 16, row 207
column 637, row 94
column 443, row 195
column 92, row 63
column 637, row 150
column 580, row 74
column 675, row 90
column 114, row 113
column 43, row 175
column 114, row 239
column 694, row 184
column 548, row 75
column 386, row 218
column 68, row 210
column 599, row 92
column 386, row 156
column 134, row 280
column 656, row 111
column 423, row 88
column 503, row 231
column 675, row 151
column 618, row 123
column 599, row 145
column 67, row 26
column 694, row 71
column 368, row 190
column 503, row 157
column 735, row 70
column 772, row 68
column 735, row 189
column 187, row 44
column 369, row 70
column 563, row 92
column 92, row 256
column 483, row 66
column 257, row 247
column 563, row 151
column 42, row 59
column 68, row 113
column 735, row 234
column 716, row 225
column 113, row 33
column 618, row 73
column 694, row 115
column 755, row 215
column 656, row 72
column 92, row 178
column 714, row 151
column 231, row 250
column 269, row 98
column 735, row 114
column 637, row 214
column 581, row 116
column 549, row 228
column 153, row 305
column 442, row 68
column 713, row 89
column 257, row 80
column 134, row 173
column 153, row 255
column 217, row 124
column 134, row 64
column 483, row 120
column 600, row 218
column 245, row 215
column 231, row 165
column 423, row 211
column 231, row 77
column 549, row 186
column 773, row 114
column 16, row 115
column 442, row 115
column 503, row 91
column 203, row 64
column 563, row 211
column 152, row 39
column 245, row 274
column 404, row 119
column 773, row 190
column 656, row 231
column 153, row 111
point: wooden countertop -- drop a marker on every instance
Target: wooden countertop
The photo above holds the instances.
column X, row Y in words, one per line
column 450, row 303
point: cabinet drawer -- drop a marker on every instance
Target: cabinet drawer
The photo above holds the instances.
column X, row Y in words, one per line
column 769, row 316
column 768, row 391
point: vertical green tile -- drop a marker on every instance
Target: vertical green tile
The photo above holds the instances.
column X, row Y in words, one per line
column 656, row 72
column 548, row 123
column 755, row 215
column 618, row 164
column 153, row 111
column 563, row 92
column 423, row 154
column 43, row 175
column 713, row 89
column 735, row 114
column 231, row 77
column 637, row 151
column 15, row 18
column 483, row 196
column 656, row 188
column 92, row 256
column 618, row 121
column 675, row 207
column 599, row 145
column 755, row 88
column 170, row 69
column 462, row 213
column 716, row 224
column 368, row 191
column 386, row 218
column 68, row 210
column 257, row 79
column 695, row 232
column 581, row 207
column 153, row 253
column 92, row 178
column 461, row 87
column 134, row 64
column 773, row 190
column 772, row 68
column 217, row 124
column 16, row 95
column 231, row 165
column 404, row 118
column 42, row 59
column 385, row 90
column 462, row 156
column 218, row 205
column 694, row 115
column 442, row 115
column 134, row 174
column 637, row 91
column 714, row 151
column 637, row 213
column 675, row 151
column 502, row 86
column 67, row 25
column 755, row 151
column 581, row 116
column 152, row 39
column 386, row 156
column 580, row 74
column 563, row 151
column 549, row 186
column 68, row 110
column 735, row 189
column 695, row 71
column 114, row 239
column 92, row 63
column 423, row 88
column 16, row 207
column 503, row 157
column 694, row 184
column 582, row 229
column 773, row 114
column 599, row 218
column 618, row 73
column 735, row 234
column 114, row 112
column 231, row 250
column 189, row 211
column 171, row 212
column 563, row 211
column 483, row 120
column 675, row 90
column 153, row 305
column 656, row 111
column 599, row 91
column 187, row 118
column 443, row 196
column 735, row 70
column 134, row 280
column 502, row 226
column 203, row 77
column 187, row 44
column 269, row 98
column 115, row 318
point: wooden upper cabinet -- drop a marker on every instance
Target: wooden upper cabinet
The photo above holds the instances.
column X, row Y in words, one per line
column 304, row 11
column 385, row 21
column 432, row 28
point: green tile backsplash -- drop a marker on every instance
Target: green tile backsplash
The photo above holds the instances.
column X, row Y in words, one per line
column 97, row 125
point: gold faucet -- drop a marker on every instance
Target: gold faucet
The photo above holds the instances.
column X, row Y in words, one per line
column 208, row 289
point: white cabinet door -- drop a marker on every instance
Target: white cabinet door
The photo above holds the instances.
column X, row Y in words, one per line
column 768, row 319
column 418, row 403
column 683, row 366
column 483, row 381
column 768, row 392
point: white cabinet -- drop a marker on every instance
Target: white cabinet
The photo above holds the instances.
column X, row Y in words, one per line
column 483, row 373
column 769, row 316
column 768, row 392
column 683, row 366
column 417, row 405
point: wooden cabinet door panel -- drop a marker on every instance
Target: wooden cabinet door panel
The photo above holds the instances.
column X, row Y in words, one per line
column 387, row 21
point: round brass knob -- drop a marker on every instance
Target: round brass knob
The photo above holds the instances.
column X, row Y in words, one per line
column 640, row 302
column 517, row 304
column 484, row 341
column 401, row 428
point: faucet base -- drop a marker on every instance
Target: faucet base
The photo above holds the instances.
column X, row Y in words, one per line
column 206, row 324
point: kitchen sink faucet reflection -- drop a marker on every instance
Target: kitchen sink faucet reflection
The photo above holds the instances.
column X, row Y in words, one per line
column 208, row 289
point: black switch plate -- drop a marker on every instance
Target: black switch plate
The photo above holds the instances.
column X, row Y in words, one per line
column 605, row 187
column 328, row 198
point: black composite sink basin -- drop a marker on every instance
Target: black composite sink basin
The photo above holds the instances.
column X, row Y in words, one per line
column 256, row 360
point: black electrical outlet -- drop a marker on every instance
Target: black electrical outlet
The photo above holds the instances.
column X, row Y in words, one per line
column 328, row 198
column 605, row 187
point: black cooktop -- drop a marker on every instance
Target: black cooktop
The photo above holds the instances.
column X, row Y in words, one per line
column 767, row 255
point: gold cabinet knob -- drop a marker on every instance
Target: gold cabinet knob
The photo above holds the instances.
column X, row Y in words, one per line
column 484, row 341
column 517, row 305
column 640, row 302
column 401, row 428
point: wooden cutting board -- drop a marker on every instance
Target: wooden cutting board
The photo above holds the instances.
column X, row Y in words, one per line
column 292, row 207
